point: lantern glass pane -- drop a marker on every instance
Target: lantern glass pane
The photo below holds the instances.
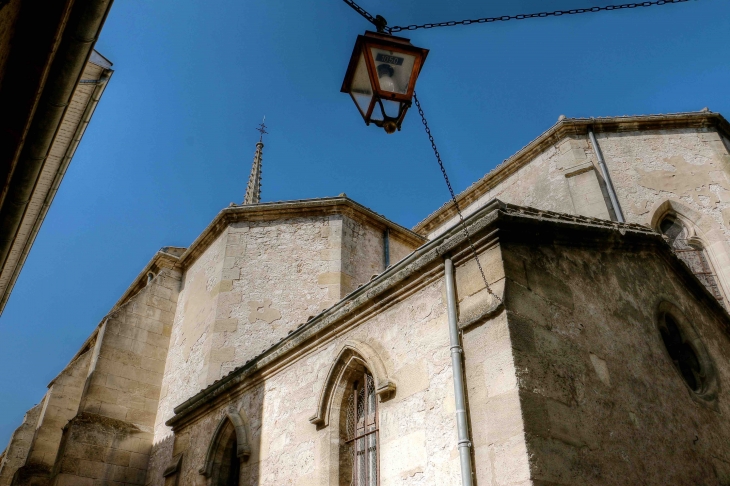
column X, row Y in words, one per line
column 360, row 88
column 392, row 108
column 394, row 69
column 377, row 114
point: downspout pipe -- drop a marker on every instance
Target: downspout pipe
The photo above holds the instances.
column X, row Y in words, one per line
column 79, row 37
column 606, row 177
column 386, row 248
column 462, row 425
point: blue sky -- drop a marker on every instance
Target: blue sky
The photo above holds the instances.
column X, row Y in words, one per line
column 172, row 140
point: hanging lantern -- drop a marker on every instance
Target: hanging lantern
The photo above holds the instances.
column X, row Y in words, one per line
column 381, row 78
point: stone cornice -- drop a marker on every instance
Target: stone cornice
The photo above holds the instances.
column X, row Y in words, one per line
column 294, row 209
column 421, row 262
column 562, row 129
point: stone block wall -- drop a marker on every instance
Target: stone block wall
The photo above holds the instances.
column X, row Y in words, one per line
column 101, row 450
column 601, row 400
column 363, row 253
column 109, row 441
column 496, row 419
column 417, row 437
column 647, row 167
column 544, row 183
column 258, row 282
column 399, row 249
column 60, row 405
column 253, row 285
column 196, row 321
column 18, row 448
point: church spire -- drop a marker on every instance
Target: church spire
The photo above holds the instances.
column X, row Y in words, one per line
column 253, row 189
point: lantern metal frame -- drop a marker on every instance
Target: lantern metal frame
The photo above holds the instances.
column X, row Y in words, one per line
column 363, row 46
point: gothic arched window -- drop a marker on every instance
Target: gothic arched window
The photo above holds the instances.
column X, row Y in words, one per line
column 356, row 384
column 227, row 449
column 359, row 463
column 690, row 252
column 230, row 465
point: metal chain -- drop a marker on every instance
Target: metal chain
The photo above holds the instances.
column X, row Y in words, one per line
column 379, row 22
column 360, row 10
column 453, row 196
column 556, row 13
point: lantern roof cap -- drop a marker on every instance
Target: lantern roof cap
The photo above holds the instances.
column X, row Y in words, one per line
column 387, row 37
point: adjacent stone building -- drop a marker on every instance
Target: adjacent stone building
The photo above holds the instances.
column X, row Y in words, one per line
column 313, row 342
column 51, row 80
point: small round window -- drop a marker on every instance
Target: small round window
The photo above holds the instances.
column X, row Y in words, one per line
column 687, row 352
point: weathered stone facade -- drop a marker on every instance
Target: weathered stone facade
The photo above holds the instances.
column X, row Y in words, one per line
column 660, row 164
column 237, row 360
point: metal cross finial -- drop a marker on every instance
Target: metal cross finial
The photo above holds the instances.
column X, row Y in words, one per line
column 262, row 129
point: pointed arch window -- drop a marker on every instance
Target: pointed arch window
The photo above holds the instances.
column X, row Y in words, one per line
column 361, row 439
column 691, row 252
column 356, row 384
column 226, row 451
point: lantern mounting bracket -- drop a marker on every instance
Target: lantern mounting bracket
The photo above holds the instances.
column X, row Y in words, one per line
column 378, row 21
column 380, row 24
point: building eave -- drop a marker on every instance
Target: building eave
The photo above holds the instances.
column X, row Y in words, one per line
column 43, row 194
column 48, row 52
column 554, row 135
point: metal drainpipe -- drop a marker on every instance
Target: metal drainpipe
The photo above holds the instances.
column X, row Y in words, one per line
column 386, row 248
column 462, row 427
column 606, row 176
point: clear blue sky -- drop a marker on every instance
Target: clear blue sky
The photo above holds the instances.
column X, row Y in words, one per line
column 173, row 138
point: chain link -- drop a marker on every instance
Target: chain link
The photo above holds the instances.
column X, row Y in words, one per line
column 379, row 22
column 453, row 196
column 360, row 10
column 504, row 18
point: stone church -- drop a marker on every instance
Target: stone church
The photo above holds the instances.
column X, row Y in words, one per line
column 316, row 342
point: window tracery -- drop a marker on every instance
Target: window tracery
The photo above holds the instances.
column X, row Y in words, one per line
column 361, row 440
column 691, row 252
column 348, row 406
